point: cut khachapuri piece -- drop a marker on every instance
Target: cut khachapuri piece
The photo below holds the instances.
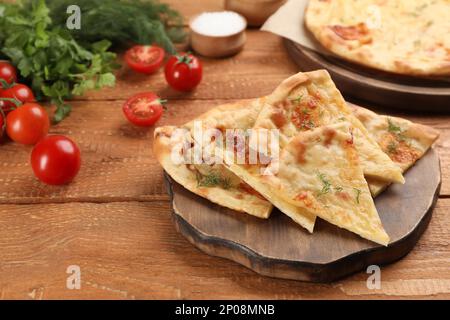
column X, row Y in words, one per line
column 309, row 100
column 237, row 118
column 403, row 141
column 175, row 150
column 319, row 171
column 401, row 36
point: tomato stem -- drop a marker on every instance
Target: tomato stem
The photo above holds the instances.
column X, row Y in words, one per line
column 18, row 103
column 5, row 85
column 184, row 58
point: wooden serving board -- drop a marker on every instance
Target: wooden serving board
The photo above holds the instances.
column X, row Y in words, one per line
column 278, row 247
column 376, row 87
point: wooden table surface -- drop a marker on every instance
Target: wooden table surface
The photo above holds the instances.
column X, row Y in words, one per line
column 114, row 221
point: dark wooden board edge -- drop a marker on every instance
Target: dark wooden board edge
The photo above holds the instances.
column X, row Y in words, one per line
column 363, row 87
column 301, row 270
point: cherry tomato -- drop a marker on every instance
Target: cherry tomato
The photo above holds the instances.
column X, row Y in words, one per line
column 16, row 91
column 56, row 160
column 183, row 72
column 145, row 59
column 27, row 124
column 143, row 109
column 7, row 72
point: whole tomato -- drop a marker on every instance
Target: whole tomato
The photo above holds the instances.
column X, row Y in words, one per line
column 56, row 160
column 183, row 72
column 7, row 73
column 27, row 124
column 17, row 91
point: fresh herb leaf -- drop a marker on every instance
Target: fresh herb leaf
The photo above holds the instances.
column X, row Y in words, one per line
column 326, row 184
column 123, row 22
column 392, row 127
column 338, row 189
column 396, row 130
column 307, row 124
column 392, row 147
column 58, row 63
column 213, row 179
column 297, row 99
column 49, row 58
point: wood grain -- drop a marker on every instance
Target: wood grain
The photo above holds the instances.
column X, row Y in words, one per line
column 114, row 220
column 254, row 72
column 118, row 161
column 138, row 254
column 279, row 248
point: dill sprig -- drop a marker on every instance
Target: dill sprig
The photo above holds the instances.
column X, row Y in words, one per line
column 326, row 188
column 123, row 22
column 396, row 130
column 213, row 179
column 297, row 99
column 392, row 147
column 392, row 127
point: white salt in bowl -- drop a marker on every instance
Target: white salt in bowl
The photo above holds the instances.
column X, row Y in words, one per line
column 218, row 34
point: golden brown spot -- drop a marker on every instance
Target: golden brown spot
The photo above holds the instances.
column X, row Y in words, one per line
column 398, row 149
column 278, row 118
column 303, row 197
column 300, row 149
column 329, row 135
column 358, row 32
column 343, row 195
column 306, row 115
column 248, row 189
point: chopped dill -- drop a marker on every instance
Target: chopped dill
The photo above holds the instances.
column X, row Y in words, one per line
column 392, row 127
column 392, row 147
column 297, row 99
column 326, row 184
column 213, row 179
column 396, row 130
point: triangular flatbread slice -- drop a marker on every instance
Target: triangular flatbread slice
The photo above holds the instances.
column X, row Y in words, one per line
column 309, row 100
column 212, row 182
column 403, row 141
column 242, row 116
column 250, row 174
column 319, row 171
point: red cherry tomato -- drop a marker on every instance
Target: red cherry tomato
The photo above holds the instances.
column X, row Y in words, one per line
column 56, row 160
column 7, row 72
column 143, row 109
column 183, row 72
column 145, row 59
column 16, row 91
column 27, row 124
